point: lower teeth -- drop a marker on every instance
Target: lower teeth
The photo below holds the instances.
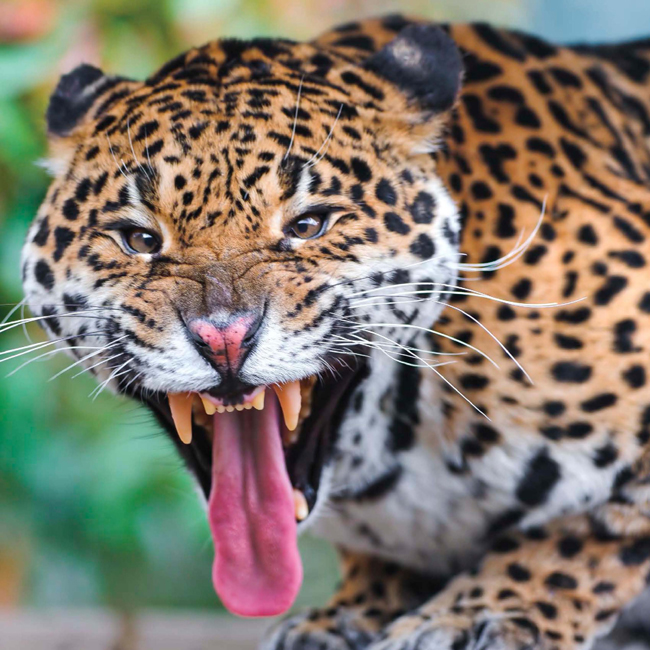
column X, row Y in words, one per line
column 300, row 505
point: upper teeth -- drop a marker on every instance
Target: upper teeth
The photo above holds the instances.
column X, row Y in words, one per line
column 180, row 405
column 289, row 396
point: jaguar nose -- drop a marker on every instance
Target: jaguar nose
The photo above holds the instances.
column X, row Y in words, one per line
column 227, row 344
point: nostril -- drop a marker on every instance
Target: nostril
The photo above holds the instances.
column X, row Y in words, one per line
column 198, row 341
column 253, row 328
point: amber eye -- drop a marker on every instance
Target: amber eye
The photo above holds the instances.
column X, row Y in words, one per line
column 142, row 242
column 308, row 226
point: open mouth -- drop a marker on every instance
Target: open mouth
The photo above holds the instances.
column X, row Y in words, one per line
column 258, row 456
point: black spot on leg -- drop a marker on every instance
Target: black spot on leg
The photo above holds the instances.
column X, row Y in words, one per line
column 558, row 580
column 569, row 546
column 636, row 553
column 554, row 408
column 605, row 455
column 518, row 572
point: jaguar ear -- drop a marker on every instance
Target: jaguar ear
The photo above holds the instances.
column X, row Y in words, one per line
column 70, row 107
column 425, row 64
column 73, row 97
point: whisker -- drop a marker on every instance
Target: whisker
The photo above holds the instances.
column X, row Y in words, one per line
column 430, row 331
column 295, row 120
column 135, row 377
column 22, row 316
column 433, row 367
column 493, row 337
column 454, row 290
column 49, row 353
column 81, row 372
column 315, row 159
column 119, row 166
column 135, row 158
column 513, row 255
column 116, row 373
column 13, row 311
column 383, row 303
column 88, row 356
column 35, row 347
column 372, row 344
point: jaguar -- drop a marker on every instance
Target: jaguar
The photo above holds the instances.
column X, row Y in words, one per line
column 390, row 285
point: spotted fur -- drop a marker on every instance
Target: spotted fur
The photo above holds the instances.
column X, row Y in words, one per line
column 481, row 505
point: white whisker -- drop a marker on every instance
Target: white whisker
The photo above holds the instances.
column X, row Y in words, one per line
column 99, row 363
column 135, row 158
column 295, row 120
column 88, row 356
column 493, row 337
column 433, row 367
column 47, row 354
column 315, row 159
column 430, row 331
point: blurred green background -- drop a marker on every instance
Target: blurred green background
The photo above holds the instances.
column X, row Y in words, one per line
column 95, row 508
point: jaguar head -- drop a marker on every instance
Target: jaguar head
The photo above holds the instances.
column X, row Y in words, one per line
column 221, row 242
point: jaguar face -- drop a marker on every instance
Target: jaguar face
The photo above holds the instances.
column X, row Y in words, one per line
column 220, row 242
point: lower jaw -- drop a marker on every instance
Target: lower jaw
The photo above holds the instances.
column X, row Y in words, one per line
column 306, row 449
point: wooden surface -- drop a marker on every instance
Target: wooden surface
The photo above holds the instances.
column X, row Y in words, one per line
column 85, row 629
column 103, row 630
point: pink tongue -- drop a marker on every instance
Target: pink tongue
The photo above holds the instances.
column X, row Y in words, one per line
column 257, row 569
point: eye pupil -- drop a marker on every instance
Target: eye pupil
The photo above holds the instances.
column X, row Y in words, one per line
column 308, row 226
column 142, row 241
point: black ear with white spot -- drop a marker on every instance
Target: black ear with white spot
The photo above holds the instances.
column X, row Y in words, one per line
column 424, row 63
column 73, row 97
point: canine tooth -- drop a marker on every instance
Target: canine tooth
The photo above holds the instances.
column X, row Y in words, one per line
column 221, row 409
column 209, row 407
column 258, row 402
column 289, row 396
column 180, row 405
column 239, row 407
column 230, row 409
column 300, row 504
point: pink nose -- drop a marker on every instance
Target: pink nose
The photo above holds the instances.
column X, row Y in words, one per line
column 227, row 345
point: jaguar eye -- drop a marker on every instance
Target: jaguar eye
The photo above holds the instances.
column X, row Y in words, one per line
column 308, row 226
column 141, row 242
